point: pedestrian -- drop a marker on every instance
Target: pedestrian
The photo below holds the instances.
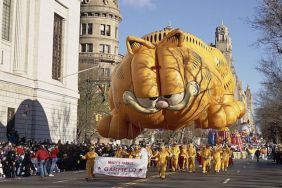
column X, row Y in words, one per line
column 225, row 158
column 175, row 151
column 252, row 151
column 217, row 158
column 191, row 157
column 162, row 157
column 42, row 155
column 206, row 159
column 2, row 175
column 90, row 160
column 263, row 152
column 257, row 154
column 183, row 157
column 9, row 166
column 144, row 154
column 27, row 164
column 54, row 157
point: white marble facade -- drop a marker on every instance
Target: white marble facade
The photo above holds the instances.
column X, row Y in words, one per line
column 44, row 107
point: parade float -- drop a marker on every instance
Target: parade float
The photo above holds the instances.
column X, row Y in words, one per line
column 220, row 136
column 167, row 80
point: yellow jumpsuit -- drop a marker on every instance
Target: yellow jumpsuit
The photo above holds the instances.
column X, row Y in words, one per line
column 217, row 159
column 175, row 151
column 206, row 159
column 134, row 154
column 162, row 157
column 90, row 159
column 191, row 157
column 120, row 153
column 184, row 155
column 225, row 159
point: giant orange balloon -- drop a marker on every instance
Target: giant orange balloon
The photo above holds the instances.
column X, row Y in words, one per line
column 167, row 80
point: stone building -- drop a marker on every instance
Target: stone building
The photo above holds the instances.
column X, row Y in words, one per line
column 39, row 49
column 99, row 53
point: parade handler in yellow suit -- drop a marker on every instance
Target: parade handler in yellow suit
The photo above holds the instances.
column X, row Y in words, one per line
column 217, row 158
column 162, row 157
column 225, row 158
column 184, row 157
column 191, row 157
column 90, row 159
column 206, row 158
column 175, row 151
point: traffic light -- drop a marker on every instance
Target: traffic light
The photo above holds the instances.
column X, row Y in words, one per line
column 98, row 117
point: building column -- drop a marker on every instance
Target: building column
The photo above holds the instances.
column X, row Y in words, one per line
column 20, row 37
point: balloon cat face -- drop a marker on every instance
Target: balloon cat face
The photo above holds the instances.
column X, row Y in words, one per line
column 158, row 77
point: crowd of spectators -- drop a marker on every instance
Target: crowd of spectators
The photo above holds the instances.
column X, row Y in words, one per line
column 27, row 158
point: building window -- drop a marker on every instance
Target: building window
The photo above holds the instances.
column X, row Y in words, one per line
column 6, row 19
column 105, row 48
column 83, row 14
column 105, row 30
column 89, row 28
column 57, row 47
column 108, row 30
column 86, row 47
column 86, row 29
column 83, row 28
column 85, row 1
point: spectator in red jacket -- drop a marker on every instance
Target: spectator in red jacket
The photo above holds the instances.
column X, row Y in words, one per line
column 20, row 150
column 54, row 157
column 42, row 155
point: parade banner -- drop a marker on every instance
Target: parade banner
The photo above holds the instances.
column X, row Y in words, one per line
column 123, row 167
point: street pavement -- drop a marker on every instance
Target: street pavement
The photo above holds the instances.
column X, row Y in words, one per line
column 243, row 174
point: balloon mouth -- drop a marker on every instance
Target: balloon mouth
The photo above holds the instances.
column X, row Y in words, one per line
column 191, row 90
column 162, row 104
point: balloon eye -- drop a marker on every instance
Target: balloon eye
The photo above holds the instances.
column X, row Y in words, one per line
column 153, row 98
column 167, row 96
column 175, row 98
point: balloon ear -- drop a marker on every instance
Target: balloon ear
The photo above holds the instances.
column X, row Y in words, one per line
column 174, row 38
column 134, row 44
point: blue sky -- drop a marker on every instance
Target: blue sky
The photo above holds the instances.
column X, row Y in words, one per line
column 199, row 17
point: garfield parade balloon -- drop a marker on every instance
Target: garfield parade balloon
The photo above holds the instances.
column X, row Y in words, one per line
column 167, row 80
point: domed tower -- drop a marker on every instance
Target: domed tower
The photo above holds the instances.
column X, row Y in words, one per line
column 223, row 42
column 99, row 23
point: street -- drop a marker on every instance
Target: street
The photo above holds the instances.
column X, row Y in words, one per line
column 244, row 173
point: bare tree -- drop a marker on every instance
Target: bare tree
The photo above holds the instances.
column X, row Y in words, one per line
column 269, row 100
column 268, row 20
column 93, row 103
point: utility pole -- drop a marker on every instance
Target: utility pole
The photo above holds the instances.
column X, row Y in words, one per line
column 87, row 103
